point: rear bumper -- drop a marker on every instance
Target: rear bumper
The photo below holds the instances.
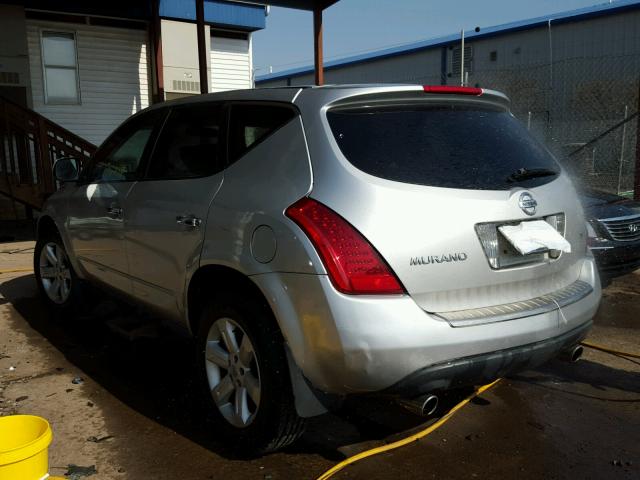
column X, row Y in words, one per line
column 486, row 367
column 362, row 344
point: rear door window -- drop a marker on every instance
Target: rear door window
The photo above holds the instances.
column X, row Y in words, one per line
column 452, row 146
column 250, row 124
column 190, row 144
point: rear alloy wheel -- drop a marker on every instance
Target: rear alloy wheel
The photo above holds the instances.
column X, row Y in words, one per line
column 245, row 375
column 232, row 372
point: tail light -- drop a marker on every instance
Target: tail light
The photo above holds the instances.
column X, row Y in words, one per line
column 353, row 265
column 453, row 90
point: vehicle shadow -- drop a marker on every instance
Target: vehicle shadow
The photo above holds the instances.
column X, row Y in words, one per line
column 155, row 376
column 606, row 380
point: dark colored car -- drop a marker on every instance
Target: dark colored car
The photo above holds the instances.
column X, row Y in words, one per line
column 613, row 225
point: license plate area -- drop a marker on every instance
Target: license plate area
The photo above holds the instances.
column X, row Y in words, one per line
column 501, row 254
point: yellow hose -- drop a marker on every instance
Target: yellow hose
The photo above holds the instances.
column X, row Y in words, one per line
column 400, row 443
column 610, row 350
column 16, row 270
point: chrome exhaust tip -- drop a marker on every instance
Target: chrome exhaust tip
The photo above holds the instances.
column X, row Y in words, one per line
column 423, row 405
column 573, row 354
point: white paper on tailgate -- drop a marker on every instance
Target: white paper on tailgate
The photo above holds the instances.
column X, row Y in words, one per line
column 533, row 237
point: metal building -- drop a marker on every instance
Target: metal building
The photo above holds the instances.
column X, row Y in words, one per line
column 573, row 78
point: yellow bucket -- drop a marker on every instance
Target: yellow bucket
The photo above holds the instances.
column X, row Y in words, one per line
column 24, row 440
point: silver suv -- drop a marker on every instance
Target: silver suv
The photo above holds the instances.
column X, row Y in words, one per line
column 326, row 242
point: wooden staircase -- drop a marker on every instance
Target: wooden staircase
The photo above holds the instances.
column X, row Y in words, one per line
column 29, row 146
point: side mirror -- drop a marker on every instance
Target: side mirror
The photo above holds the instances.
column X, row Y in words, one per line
column 66, row 169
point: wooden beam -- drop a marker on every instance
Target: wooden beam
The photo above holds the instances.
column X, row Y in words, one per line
column 44, row 158
column 156, row 38
column 202, row 47
column 24, row 157
column 28, row 195
column 317, row 46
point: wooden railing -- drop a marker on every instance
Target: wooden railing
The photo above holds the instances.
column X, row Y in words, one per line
column 29, row 145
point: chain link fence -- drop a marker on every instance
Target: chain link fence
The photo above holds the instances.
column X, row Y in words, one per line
column 585, row 109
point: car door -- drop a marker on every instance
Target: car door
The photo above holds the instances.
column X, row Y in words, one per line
column 95, row 220
column 167, row 210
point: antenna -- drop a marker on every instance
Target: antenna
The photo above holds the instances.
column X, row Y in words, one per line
column 464, row 79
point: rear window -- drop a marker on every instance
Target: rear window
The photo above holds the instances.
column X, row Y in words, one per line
column 452, row 146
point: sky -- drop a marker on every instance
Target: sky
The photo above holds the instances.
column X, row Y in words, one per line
column 357, row 26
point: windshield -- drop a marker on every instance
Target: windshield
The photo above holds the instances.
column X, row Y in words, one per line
column 452, row 146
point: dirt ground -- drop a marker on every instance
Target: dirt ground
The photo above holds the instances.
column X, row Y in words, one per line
column 127, row 406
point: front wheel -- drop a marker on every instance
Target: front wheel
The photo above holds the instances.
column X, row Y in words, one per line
column 57, row 282
column 246, row 376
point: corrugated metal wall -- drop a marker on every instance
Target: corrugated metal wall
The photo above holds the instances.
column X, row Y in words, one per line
column 607, row 47
column 114, row 77
column 230, row 64
column 421, row 67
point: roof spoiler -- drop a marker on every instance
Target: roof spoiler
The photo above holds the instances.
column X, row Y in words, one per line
column 384, row 94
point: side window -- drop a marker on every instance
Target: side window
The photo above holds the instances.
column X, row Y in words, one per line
column 250, row 124
column 120, row 157
column 189, row 145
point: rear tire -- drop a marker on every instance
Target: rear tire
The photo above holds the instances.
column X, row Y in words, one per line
column 245, row 376
column 57, row 281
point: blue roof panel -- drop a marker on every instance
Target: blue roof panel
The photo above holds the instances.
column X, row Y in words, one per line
column 217, row 12
column 178, row 9
column 562, row 17
column 248, row 17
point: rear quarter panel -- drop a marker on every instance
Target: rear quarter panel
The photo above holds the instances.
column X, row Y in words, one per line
column 256, row 191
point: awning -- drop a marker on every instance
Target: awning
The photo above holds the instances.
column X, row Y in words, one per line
column 297, row 4
column 317, row 7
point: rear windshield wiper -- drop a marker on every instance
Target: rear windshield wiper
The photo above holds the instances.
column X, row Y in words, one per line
column 527, row 173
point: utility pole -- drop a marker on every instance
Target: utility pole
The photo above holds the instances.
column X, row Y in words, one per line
column 462, row 57
column 202, row 47
column 624, row 138
column 636, row 186
column 318, row 55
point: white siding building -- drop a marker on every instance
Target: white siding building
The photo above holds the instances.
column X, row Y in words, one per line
column 113, row 77
column 232, row 54
column 88, row 66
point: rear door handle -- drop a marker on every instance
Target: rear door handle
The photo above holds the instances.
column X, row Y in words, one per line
column 115, row 211
column 189, row 221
